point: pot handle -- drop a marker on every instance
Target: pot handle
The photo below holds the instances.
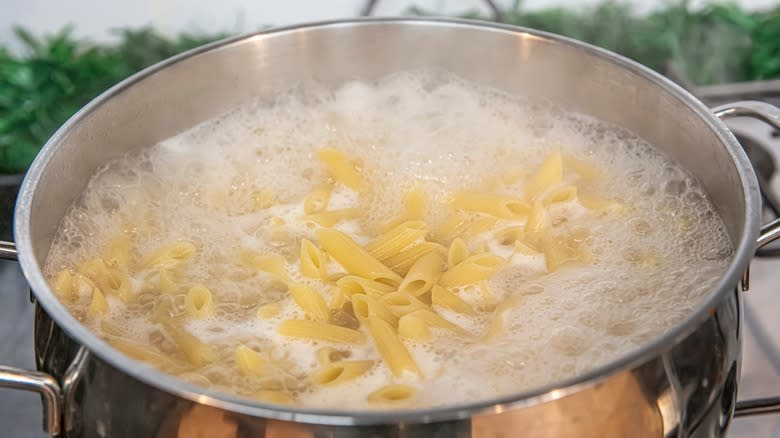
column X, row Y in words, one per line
column 34, row 381
column 770, row 232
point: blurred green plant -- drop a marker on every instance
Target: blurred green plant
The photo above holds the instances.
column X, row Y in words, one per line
column 52, row 77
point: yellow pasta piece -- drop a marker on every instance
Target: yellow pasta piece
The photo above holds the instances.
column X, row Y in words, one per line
column 538, row 222
column 332, row 217
column 549, row 174
column 496, row 327
column 392, row 394
column 334, row 373
column 390, row 347
column 366, row 307
column 341, row 168
column 63, row 284
column 414, row 202
column 171, row 255
column 196, row 351
column 499, row 206
column 489, row 300
column 317, row 200
column 310, row 301
column 558, row 252
column 338, row 298
column 479, row 226
column 199, row 302
column 582, row 167
column 98, row 306
column 443, row 297
column 268, row 310
column 272, row 264
column 314, row 263
column 262, row 199
column 560, row 194
column 397, row 239
column 403, row 261
column 525, row 249
column 143, row 353
column 165, row 281
column 423, row 274
column 510, row 235
column 600, row 206
column 250, row 362
column 401, row 303
column 412, row 327
column 472, row 270
column 118, row 254
column 457, row 253
column 276, row 397
column 433, row 319
column 109, row 280
column 352, row 284
column 321, row 331
column 452, row 226
column 354, row 258
column 326, row 355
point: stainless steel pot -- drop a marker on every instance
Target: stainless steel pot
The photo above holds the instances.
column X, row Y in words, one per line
column 682, row 384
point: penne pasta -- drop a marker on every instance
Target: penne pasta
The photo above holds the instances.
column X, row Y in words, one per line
column 496, row 326
column 196, row 351
column 335, row 373
column 273, row 396
column 443, row 297
column 413, row 327
column 118, row 254
column 354, row 258
column 340, row 168
column 560, row 194
column 310, row 301
column 397, row 239
column 401, row 303
column 199, row 302
column 314, row 263
column 433, row 319
column 332, row 217
column 165, row 281
column 403, row 261
column 250, row 362
column 144, row 354
column 457, row 253
column 63, row 285
column 498, row 206
column 98, row 306
column 414, row 203
column 171, row 255
column 366, row 307
column 392, row 350
column 538, row 222
column 272, row 264
column 451, row 227
column 549, row 174
column 423, row 274
column 267, row 311
column 391, row 394
column 316, row 201
column 352, row 284
column 320, row 331
column 109, row 280
column 472, row 270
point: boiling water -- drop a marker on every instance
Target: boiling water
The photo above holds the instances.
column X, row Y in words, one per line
column 237, row 182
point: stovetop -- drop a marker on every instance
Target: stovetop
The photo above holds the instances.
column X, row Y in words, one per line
column 20, row 413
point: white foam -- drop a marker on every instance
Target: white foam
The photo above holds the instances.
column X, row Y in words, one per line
column 420, row 129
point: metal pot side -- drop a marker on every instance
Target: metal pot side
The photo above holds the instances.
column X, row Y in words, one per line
column 683, row 384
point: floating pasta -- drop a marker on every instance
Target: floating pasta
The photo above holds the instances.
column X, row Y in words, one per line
column 118, row 253
column 314, row 263
column 538, row 222
column 273, row 396
column 479, row 226
column 413, row 327
column 340, row 168
column 560, row 194
column 401, row 303
column 268, row 310
column 433, row 319
column 457, row 252
column 199, row 302
column 354, row 258
column 393, row 351
column 171, row 255
column 559, row 251
column 109, row 280
column 366, row 307
column 310, row 301
column 499, row 206
column 98, row 306
column 63, row 284
column 403, row 261
column 272, row 264
column 423, row 274
column 414, row 204
column 321, row 331
column 165, row 281
column 472, row 270
column 391, row 394
column 443, row 297
column 196, row 351
column 250, row 362
column 451, row 227
column 332, row 217
column 396, row 240
column 496, row 326
column 334, row 373
column 317, row 200
column 549, row 174
column 352, row 284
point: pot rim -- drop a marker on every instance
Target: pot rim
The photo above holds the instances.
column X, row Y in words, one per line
column 148, row 375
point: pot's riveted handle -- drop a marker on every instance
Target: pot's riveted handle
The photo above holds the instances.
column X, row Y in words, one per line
column 769, row 114
column 770, row 232
column 34, row 381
